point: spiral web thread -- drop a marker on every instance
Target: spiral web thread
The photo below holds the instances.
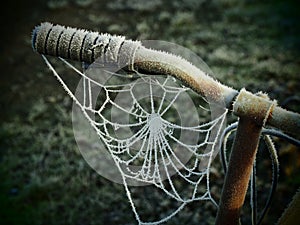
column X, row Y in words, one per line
column 152, row 152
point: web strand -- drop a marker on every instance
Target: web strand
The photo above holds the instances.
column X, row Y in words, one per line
column 144, row 144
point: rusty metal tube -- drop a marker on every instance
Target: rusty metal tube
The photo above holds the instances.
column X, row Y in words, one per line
column 239, row 171
column 158, row 62
column 87, row 46
column 254, row 112
column 254, row 106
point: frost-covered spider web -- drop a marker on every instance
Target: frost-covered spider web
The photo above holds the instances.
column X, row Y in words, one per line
column 143, row 130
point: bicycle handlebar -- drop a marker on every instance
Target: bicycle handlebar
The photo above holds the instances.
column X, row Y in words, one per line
column 87, row 46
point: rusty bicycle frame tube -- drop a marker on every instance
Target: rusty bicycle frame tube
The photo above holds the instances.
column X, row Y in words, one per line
column 238, row 173
column 249, row 105
column 254, row 111
column 242, row 155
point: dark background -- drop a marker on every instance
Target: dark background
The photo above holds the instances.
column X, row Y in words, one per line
column 44, row 179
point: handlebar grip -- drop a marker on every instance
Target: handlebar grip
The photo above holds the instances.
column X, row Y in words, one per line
column 82, row 45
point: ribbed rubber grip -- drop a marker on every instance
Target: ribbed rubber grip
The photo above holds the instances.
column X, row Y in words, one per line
column 82, row 45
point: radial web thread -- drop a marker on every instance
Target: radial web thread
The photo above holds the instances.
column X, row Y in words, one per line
column 135, row 117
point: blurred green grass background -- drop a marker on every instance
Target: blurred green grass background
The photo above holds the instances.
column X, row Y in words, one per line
column 43, row 177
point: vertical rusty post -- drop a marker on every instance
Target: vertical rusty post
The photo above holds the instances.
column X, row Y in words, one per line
column 253, row 115
column 239, row 171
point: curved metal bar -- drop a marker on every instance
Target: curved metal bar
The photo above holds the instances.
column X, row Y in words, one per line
column 86, row 46
column 223, row 140
column 275, row 175
column 81, row 45
column 253, row 196
column 279, row 134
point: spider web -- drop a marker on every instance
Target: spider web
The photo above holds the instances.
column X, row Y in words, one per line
column 149, row 133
